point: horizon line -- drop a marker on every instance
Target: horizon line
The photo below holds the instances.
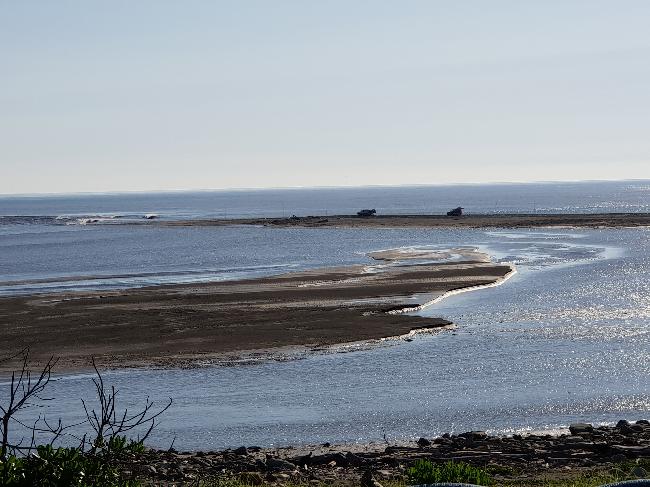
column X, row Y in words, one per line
column 289, row 188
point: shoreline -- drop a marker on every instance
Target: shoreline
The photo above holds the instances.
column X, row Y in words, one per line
column 281, row 317
column 513, row 220
column 581, row 450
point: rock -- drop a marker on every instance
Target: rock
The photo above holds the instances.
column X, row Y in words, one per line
column 354, row 460
column 630, row 429
column 338, row 459
column 643, row 421
column 326, row 445
column 242, row 450
column 640, row 472
column 474, row 435
column 367, row 480
column 302, row 461
column 581, row 428
column 151, row 469
column 277, row 464
column 622, row 423
column 422, row 442
column 632, row 450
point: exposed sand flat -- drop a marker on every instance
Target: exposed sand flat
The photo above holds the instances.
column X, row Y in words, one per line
column 181, row 325
column 430, row 221
column 448, row 255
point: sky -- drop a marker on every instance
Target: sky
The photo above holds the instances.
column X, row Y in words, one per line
column 159, row 95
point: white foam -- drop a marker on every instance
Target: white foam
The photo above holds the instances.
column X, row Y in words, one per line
column 453, row 292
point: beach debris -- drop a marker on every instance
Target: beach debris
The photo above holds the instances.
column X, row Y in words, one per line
column 456, row 211
column 366, row 213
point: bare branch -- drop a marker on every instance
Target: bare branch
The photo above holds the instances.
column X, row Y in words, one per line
column 23, row 389
column 108, row 424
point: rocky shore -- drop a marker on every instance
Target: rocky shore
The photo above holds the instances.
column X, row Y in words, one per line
column 517, row 458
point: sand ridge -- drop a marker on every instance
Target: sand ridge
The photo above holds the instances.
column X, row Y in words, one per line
column 234, row 321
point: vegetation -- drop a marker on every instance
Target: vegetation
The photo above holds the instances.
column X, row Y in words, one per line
column 425, row 472
column 92, row 462
column 61, row 467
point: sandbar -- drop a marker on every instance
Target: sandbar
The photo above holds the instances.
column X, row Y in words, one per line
column 517, row 220
column 233, row 321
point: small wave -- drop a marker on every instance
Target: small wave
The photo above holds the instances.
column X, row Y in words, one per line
column 105, row 218
column 136, row 279
column 87, row 219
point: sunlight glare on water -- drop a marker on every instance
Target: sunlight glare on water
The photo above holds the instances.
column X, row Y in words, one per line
column 566, row 339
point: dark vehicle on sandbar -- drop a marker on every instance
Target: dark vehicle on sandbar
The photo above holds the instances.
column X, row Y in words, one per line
column 455, row 212
column 366, row 213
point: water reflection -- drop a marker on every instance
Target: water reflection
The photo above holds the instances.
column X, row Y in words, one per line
column 566, row 339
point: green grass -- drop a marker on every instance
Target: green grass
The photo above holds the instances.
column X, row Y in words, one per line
column 425, row 472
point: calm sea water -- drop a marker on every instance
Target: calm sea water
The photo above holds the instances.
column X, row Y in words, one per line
column 567, row 339
column 580, row 197
column 76, row 242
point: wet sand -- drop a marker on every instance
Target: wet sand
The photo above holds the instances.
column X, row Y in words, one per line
column 434, row 221
column 227, row 322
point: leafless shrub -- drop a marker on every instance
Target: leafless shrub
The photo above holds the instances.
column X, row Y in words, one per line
column 24, row 389
column 108, row 424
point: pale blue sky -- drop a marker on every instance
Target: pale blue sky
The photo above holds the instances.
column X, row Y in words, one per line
column 150, row 95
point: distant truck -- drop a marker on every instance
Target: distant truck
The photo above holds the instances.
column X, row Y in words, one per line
column 455, row 212
column 366, row 213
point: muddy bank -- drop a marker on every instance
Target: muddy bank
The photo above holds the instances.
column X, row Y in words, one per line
column 226, row 322
column 583, row 449
column 433, row 221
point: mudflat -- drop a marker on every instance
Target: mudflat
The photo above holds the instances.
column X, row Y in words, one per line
column 594, row 220
column 222, row 322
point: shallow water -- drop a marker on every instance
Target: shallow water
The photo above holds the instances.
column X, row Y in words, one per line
column 45, row 247
column 566, row 339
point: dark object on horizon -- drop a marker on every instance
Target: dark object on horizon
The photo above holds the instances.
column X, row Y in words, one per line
column 455, row 212
column 366, row 213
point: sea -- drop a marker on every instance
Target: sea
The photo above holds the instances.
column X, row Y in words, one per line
column 566, row 339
